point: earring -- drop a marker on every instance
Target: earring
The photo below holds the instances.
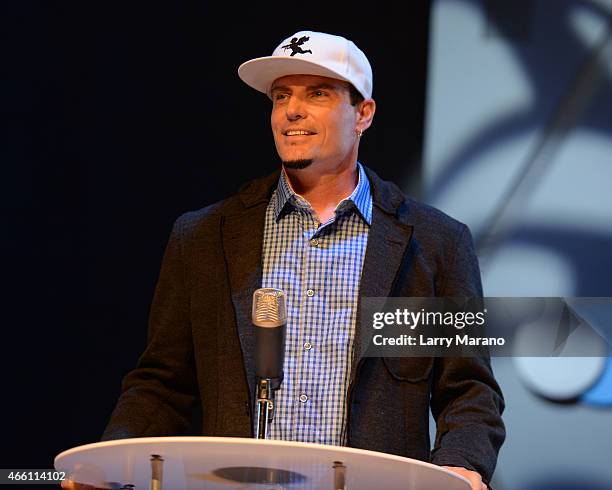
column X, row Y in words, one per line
column 359, row 133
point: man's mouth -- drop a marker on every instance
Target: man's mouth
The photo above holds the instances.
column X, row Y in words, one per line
column 298, row 132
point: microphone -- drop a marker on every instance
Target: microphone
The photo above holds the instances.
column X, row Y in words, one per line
column 270, row 320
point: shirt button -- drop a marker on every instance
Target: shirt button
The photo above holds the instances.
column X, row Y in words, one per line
column 314, row 242
column 307, row 345
column 303, row 398
column 310, row 293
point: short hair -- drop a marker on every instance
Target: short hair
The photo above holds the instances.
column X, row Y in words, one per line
column 355, row 95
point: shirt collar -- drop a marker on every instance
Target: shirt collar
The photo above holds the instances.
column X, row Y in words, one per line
column 360, row 198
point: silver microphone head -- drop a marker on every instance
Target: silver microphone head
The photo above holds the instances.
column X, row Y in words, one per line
column 269, row 308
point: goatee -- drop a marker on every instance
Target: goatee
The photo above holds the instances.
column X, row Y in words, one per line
column 297, row 164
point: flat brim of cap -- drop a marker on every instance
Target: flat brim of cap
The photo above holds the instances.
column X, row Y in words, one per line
column 259, row 73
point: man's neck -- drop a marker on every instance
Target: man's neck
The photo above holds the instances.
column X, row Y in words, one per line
column 324, row 190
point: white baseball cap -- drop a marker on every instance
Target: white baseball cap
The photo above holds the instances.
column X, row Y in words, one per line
column 310, row 53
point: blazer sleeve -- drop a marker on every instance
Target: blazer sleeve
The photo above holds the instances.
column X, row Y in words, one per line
column 466, row 401
column 158, row 396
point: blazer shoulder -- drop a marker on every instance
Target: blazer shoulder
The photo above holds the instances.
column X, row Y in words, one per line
column 429, row 219
column 446, row 244
column 192, row 222
column 253, row 193
column 391, row 199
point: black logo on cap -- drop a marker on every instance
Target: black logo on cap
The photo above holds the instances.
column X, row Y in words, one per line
column 295, row 44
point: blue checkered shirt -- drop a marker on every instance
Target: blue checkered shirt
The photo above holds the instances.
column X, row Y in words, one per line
column 319, row 268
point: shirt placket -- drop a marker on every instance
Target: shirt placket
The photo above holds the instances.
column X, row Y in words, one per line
column 309, row 338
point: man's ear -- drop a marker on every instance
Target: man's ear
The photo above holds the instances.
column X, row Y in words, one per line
column 365, row 114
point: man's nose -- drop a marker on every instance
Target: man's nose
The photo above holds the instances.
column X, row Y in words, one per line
column 295, row 108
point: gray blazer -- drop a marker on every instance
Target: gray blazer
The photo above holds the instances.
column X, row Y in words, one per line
column 200, row 342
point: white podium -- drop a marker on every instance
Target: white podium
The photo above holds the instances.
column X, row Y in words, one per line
column 223, row 463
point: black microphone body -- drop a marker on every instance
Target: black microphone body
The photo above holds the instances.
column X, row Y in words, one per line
column 270, row 354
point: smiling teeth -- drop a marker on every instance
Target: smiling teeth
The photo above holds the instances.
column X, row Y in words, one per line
column 293, row 133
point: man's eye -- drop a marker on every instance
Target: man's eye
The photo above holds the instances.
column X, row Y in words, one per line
column 279, row 96
column 319, row 93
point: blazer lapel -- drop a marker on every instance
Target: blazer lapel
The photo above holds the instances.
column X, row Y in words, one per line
column 242, row 244
column 388, row 240
column 242, row 239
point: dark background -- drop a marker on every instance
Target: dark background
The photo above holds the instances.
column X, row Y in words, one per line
column 117, row 118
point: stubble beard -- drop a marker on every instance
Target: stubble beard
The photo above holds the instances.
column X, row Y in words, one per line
column 297, row 164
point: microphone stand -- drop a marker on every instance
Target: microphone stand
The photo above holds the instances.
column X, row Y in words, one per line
column 265, row 408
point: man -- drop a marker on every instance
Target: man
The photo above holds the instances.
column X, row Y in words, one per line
column 326, row 230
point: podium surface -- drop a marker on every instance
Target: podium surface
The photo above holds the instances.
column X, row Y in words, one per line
column 223, row 463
